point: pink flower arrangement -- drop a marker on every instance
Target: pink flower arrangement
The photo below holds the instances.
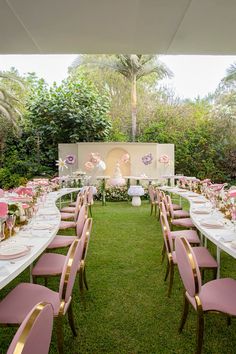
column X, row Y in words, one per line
column 164, row 159
column 147, row 159
column 70, row 159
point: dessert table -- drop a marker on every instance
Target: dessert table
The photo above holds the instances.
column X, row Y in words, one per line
column 210, row 222
column 20, row 251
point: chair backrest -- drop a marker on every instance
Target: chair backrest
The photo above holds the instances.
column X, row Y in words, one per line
column 70, row 268
column 3, row 209
column 170, row 206
column 188, row 267
column 90, row 195
column 34, row 334
column 165, row 229
column 152, row 194
column 78, row 204
column 86, row 236
column 83, row 214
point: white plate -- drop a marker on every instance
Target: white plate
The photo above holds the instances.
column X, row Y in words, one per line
column 41, row 226
column 13, row 251
column 201, row 211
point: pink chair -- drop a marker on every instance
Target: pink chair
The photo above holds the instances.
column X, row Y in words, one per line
column 19, row 301
column 89, row 199
column 72, row 215
column 163, row 198
column 153, row 199
column 205, row 259
column 176, row 214
column 3, row 209
column 34, row 334
column 71, row 209
column 64, row 224
column 51, row 264
column 184, row 221
column 215, row 296
column 61, row 241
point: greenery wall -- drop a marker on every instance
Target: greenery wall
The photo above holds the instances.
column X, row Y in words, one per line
column 93, row 104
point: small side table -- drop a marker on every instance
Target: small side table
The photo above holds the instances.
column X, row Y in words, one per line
column 136, row 192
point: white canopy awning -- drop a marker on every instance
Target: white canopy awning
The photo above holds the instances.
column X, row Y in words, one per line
column 118, row 26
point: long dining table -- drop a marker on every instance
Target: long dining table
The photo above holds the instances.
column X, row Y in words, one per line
column 210, row 222
column 32, row 239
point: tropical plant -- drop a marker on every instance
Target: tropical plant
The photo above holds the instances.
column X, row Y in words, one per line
column 230, row 78
column 133, row 67
column 9, row 103
column 71, row 112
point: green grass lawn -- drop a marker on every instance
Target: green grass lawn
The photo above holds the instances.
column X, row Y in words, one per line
column 126, row 309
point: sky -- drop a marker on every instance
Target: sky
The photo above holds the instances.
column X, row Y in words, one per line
column 194, row 76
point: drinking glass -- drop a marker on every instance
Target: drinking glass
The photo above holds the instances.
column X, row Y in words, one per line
column 2, row 229
column 11, row 219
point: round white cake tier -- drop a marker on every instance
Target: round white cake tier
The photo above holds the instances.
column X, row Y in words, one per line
column 117, row 181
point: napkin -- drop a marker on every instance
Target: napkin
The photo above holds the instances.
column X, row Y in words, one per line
column 212, row 224
column 226, row 237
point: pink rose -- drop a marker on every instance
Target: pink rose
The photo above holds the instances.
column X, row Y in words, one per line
column 164, row 159
column 89, row 166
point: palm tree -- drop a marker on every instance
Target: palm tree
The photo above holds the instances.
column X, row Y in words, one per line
column 133, row 67
column 9, row 103
column 230, row 78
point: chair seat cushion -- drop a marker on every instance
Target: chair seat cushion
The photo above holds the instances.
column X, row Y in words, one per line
column 20, row 301
column 67, row 225
column 181, row 214
column 68, row 209
column 61, row 241
column 185, row 222
column 176, row 206
column 217, row 295
column 203, row 256
column 49, row 264
column 67, row 216
column 190, row 235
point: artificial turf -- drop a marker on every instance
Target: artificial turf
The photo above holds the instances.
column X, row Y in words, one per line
column 126, row 309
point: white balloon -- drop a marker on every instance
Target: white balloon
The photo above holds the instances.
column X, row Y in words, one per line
column 101, row 165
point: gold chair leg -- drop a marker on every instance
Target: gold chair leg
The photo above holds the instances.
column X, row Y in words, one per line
column 184, row 315
column 71, row 320
column 151, row 208
column 158, row 214
column 163, row 252
column 81, row 284
column 85, row 278
column 200, row 330
column 171, row 278
column 167, row 270
column 60, row 334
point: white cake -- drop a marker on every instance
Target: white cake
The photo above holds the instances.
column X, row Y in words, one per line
column 117, row 179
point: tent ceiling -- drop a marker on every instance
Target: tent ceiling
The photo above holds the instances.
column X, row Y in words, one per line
column 118, row 26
